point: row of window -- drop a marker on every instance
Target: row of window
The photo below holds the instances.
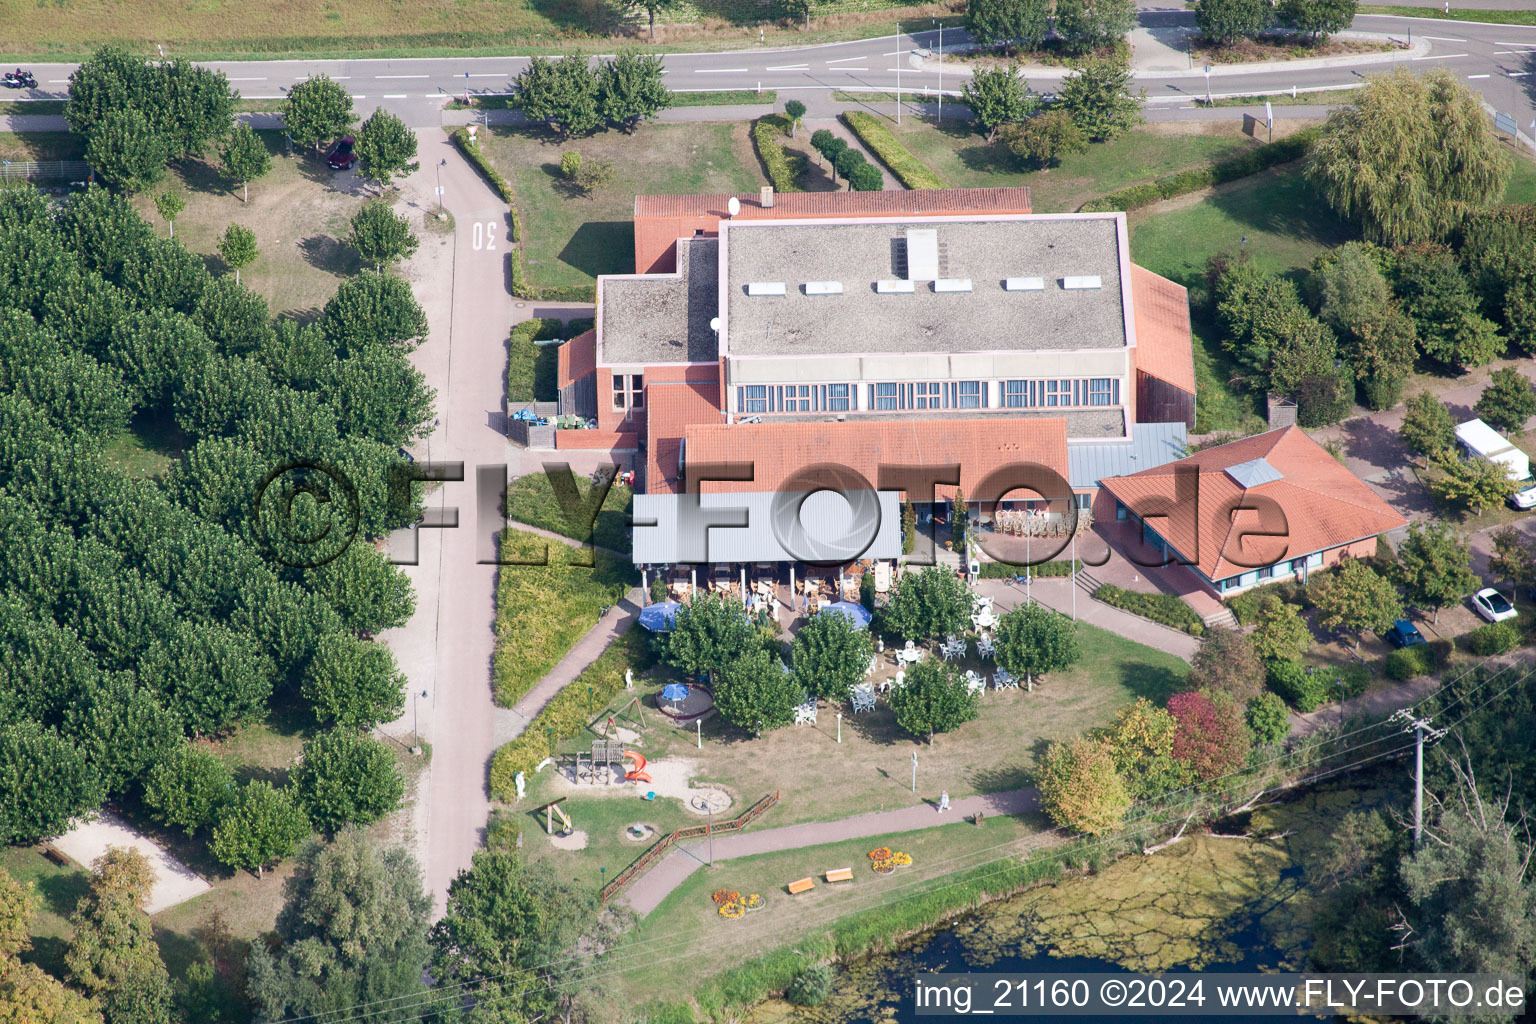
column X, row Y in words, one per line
column 899, row 396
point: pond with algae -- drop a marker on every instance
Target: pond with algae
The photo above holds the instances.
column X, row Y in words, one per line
column 1203, row 904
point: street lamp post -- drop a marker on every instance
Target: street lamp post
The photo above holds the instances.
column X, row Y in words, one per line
column 440, row 164
column 1208, row 100
column 914, row 771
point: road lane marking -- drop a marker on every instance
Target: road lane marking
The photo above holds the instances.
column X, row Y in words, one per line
column 401, row 76
column 910, row 71
column 489, row 74
column 791, row 67
column 1479, row 76
column 57, row 81
column 1444, row 39
column 1440, row 56
column 719, row 71
column 247, row 79
column 342, row 78
column 848, row 69
column 1513, row 51
column 1518, row 74
column 1506, row 42
column 395, row 96
column 844, row 60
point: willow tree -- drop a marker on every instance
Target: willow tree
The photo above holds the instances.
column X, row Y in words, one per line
column 1410, row 159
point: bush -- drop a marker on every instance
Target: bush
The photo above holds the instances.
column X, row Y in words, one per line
column 1007, row 571
column 1353, row 680
column 568, row 712
column 1292, row 147
column 1163, row 608
column 1440, row 652
column 1408, row 662
column 811, row 986
column 766, row 132
column 1305, row 691
column 471, row 150
column 523, row 358
column 1494, row 638
column 1245, row 606
column 1268, row 719
column 912, row 172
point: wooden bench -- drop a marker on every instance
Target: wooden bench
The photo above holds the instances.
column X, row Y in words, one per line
column 840, row 875
column 795, row 888
column 55, row 857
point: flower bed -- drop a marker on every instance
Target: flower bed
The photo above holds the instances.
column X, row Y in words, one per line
column 1162, row 608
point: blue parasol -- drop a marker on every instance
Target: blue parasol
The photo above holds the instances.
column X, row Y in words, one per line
column 675, row 691
column 857, row 613
column 659, row 617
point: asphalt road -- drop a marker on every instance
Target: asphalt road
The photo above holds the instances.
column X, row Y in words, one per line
column 1497, row 60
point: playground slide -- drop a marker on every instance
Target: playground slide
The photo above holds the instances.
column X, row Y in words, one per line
column 638, row 774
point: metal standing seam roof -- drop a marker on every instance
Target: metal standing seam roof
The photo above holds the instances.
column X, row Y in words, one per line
column 1150, row 445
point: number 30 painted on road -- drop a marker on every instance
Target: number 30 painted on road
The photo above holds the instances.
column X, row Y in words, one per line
column 485, row 236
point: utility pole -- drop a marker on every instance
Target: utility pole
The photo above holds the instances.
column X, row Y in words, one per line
column 914, row 771
column 1422, row 730
column 898, row 74
column 941, row 75
column 1074, row 572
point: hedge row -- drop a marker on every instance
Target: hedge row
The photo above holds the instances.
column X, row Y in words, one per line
column 1163, row 608
column 1245, row 606
column 523, row 290
column 765, row 136
column 913, row 172
column 567, row 713
column 523, row 357
column 1007, row 570
column 471, row 150
column 1292, row 147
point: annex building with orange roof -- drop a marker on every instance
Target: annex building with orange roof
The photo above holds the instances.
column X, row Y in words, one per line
column 947, row 327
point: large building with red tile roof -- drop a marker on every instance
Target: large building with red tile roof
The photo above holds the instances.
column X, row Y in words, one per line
column 946, row 327
column 1263, row 508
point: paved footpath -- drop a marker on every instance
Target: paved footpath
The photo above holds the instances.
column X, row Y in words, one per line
column 1056, row 592
column 652, row 887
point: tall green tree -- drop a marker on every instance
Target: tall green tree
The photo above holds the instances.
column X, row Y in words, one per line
column 830, row 655
column 1471, row 897
column 188, row 788
column 1427, row 426
column 709, row 632
column 385, row 147
column 1354, row 597
column 1020, row 24
column 934, row 699
column 245, row 158
column 1444, row 309
column 373, row 309
column 561, row 94
column 379, row 395
column 651, row 9
column 1098, row 97
column 198, row 105
column 1087, row 25
column 928, row 604
column 379, row 236
column 352, row 682
column 507, row 920
column 1433, row 567
column 317, row 109
column 794, row 110
column 1279, row 631
column 1499, row 252
column 352, row 935
column 113, row 956
column 756, row 693
column 1269, row 720
column 1226, row 21
column 169, row 205
column 1212, row 735
column 237, row 247
column 369, row 593
column 1033, row 640
column 27, row 992
column 111, row 80
column 347, row 778
column 631, row 90
column 1141, row 743
column 261, row 826
column 1471, row 483
column 1317, row 18
column 997, row 96
column 1044, row 139
column 1410, row 159
column 126, row 151
column 1376, row 337
column 1513, row 557
column 47, row 781
column 1080, row 788
column 866, row 177
column 1508, row 401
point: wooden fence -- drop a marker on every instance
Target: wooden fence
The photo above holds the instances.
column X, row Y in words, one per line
column 665, row 843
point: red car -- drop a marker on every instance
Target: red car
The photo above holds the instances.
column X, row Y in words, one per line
column 342, row 156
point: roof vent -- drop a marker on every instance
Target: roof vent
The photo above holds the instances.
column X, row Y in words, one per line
column 1024, row 284
column 1073, row 284
column 823, row 287
column 952, row 284
column 765, row 288
column 887, row 287
column 1253, row 473
column 922, row 254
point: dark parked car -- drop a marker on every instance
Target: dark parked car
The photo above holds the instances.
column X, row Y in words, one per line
column 1404, row 634
column 342, row 156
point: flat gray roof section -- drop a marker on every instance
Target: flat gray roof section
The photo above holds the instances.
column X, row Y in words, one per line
column 932, row 317
column 827, row 527
column 664, row 318
column 1151, row 445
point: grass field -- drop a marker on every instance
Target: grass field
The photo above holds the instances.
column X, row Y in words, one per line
column 41, row 146
column 58, row 889
column 1456, row 14
column 31, row 107
column 572, row 238
column 211, row 29
column 1522, row 183
column 964, row 158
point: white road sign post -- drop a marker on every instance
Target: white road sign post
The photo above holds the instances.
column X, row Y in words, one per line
column 1208, row 101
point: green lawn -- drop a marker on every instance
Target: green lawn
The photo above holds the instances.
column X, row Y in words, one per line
column 41, row 146
column 1522, row 183
column 531, row 500
column 1456, row 13
column 571, row 238
column 58, row 889
column 964, row 158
